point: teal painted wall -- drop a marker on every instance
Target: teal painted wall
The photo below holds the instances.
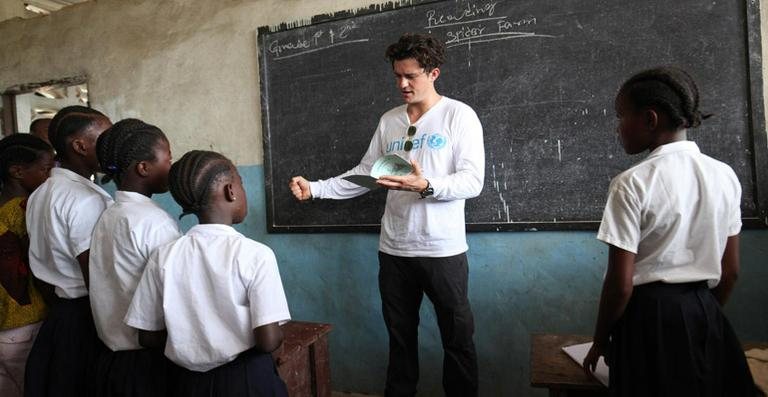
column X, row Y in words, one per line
column 520, row 283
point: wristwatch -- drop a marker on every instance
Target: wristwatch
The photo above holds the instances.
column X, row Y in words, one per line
column 428, row 191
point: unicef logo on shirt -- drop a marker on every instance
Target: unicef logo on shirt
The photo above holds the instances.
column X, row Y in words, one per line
column 436, row 141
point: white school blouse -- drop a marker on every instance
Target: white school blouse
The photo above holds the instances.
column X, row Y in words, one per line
column 61, row 214
column 675, row 210
column 123, row 238
column 449, row 147
column 210, row 289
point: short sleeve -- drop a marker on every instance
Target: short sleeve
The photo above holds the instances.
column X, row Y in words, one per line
column 265, row 291
column 156, row 235
column 146, row 310
column 734, row 218
column 620, row 226
column 81, row 219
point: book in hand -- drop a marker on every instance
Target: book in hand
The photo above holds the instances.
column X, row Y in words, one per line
column 390, row 164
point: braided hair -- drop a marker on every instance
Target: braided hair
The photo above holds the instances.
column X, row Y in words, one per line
column 70, row 121
column 20, row 149
column 668, row 89
column 191, row 178
column 127, row 142
column 427, row 50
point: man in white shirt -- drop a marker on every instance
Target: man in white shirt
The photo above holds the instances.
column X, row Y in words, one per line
column 422, row 247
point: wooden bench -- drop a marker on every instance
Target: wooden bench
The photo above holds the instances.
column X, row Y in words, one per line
column 303, row 360
column 553, row 369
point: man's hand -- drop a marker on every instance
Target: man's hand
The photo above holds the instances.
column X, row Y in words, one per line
column 300, row 188
column 412, row 182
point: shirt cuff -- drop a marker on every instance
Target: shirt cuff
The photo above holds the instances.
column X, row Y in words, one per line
column 617, row 243
column 316, row 189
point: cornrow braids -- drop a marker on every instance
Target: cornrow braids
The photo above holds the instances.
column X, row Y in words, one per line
column 20, row 149
column 669, row 89
column 127, row 142
column 427, row 50
column 191, row 178
column 69, row 121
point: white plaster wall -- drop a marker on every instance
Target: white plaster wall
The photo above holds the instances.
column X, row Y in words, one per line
column 188, row 66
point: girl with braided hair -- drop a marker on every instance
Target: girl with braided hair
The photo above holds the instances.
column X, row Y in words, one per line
column 61, row 214
column 25, row 163
column 137, row 156
column 672, row 224
column 217, row 293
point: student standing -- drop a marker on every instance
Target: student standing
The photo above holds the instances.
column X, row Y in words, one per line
column 422, row 249
column 138, row 157
column 61, row 215
column 25, row 163
column 672, row 223
column 217, row 293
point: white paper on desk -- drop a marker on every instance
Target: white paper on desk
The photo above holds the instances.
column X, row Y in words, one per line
column 579, row 352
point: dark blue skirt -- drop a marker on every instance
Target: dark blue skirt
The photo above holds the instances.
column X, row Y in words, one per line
column 673, row 340
column 61, row 360
column 131, row 373
column 251, row 374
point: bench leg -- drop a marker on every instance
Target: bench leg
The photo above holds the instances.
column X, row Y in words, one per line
column 320, row 367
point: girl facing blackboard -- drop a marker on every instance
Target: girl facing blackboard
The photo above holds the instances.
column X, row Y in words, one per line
column 672, row 224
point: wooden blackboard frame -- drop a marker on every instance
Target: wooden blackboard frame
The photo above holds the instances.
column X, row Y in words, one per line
column 756, row 120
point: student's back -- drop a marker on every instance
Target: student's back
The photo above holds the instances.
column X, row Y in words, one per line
column 127, row 232
column 61, row 214
column 690, row 204
column 213, row 278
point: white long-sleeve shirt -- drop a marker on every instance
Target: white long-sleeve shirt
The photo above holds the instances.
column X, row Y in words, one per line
column 449, row 147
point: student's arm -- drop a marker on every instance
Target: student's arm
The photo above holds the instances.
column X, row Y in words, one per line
column 47, row 291
column 83, row 259
column 730, row 272
column 153, row 339
column 268, row 337
column 617, row 289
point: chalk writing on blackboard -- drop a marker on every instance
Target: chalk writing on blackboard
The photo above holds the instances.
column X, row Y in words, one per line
column 318, row 40
column 476, row 23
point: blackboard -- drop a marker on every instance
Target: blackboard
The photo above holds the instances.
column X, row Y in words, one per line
column 541, row 75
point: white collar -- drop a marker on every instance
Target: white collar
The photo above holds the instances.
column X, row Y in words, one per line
column 680, row 146
column 123, row 196
column 213, row 229
column 77, row 178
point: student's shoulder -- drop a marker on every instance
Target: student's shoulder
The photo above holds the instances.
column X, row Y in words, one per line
column 255, row 248
column 717, row 165
column 633, row 178
column 148, row 216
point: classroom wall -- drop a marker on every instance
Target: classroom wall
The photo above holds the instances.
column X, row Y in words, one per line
column 191, row 68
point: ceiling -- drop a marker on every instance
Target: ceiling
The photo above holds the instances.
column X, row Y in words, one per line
column 45, row 7
column 32, row 8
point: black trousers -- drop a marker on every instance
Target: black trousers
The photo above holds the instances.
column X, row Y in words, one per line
column 402, row 284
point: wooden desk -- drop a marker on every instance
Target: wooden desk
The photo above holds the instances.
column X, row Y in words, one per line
column 303, row 360
column 555, row 370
